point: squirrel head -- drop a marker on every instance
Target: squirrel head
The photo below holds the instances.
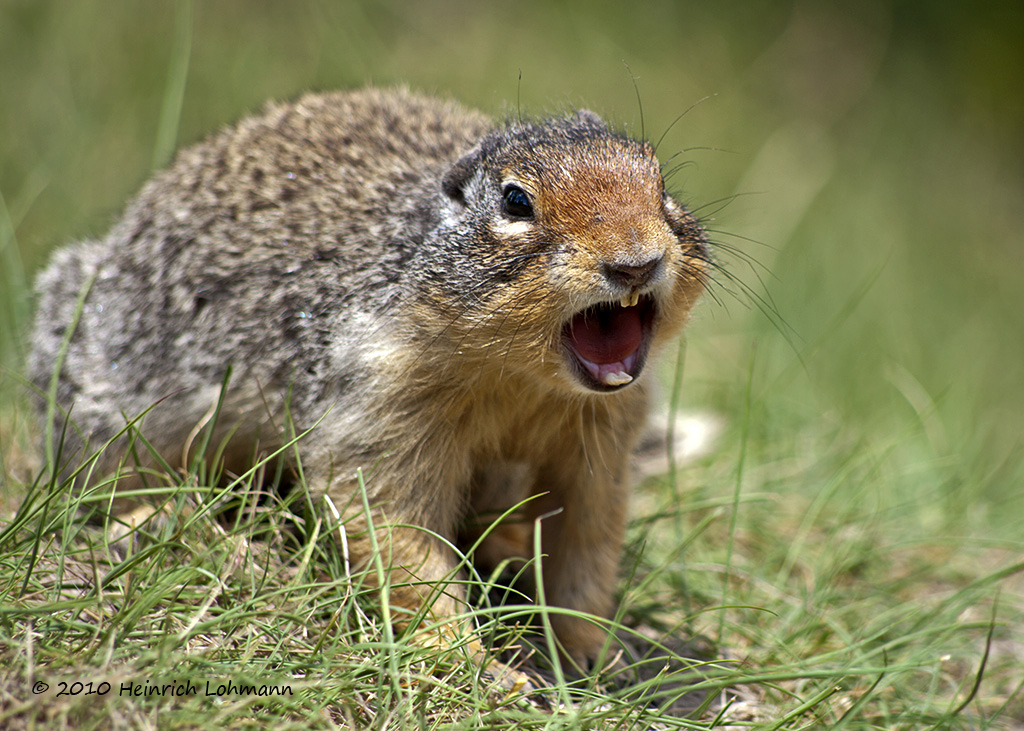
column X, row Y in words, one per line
column 559, row 253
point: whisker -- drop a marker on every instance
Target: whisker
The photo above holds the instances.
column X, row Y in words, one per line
column 723, row 203
column 730, row 283
column 676, row 120
column 674, row 170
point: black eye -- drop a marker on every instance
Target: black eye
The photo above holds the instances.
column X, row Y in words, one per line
column 516, row 202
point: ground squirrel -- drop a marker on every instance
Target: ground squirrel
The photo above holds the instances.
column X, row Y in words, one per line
column 454, row 300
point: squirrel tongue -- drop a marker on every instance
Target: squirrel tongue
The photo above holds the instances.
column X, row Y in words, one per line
column 606, row 334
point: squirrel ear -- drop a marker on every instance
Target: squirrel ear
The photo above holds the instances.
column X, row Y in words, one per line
column 590, row 118
column 455, row 180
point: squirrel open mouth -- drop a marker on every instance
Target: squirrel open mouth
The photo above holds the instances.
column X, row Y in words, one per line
column 608, row 343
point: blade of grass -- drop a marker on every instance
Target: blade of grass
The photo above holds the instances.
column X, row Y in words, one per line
column 738, row 487
column 174, row 94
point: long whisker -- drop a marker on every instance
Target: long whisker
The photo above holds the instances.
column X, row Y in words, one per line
column 722, row 203
column 676, row 120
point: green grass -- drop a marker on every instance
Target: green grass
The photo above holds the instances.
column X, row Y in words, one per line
column 851, row 548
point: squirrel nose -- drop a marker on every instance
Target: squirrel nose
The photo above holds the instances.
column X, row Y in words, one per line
column 630, row 276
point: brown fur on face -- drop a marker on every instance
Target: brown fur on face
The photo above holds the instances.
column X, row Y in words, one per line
column 363, row 261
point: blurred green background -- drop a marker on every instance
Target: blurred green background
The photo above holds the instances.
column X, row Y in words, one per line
column 861, row 165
